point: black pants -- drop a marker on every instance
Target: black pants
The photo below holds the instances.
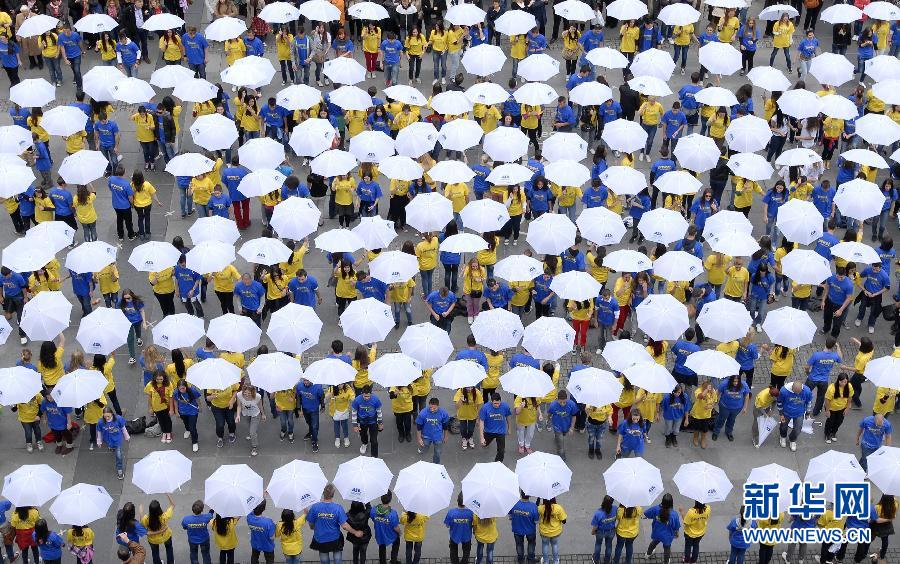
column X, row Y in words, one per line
column 368, row 435
column 812, row 16
column 501, row 444
column 269, row 557
column 223, row 417
column 143, row 216
column 397, row 210
column 193, row 307
column 857, row 381
column 830, row 322
column 67, row 219
column 542, row 310
column 404, row 424
column 454, row 552
column 833, row 423
column 747, row 60
column 13, row 74
column 17, row 222
column 359, row 553
column 226, row 301
column 413, row 552
column 415, row 66
column 533, row 136
column 342, row 304
column 765, row 553
column 124, row 223
column 166, row 303
column 382, row 552
column 820, row 388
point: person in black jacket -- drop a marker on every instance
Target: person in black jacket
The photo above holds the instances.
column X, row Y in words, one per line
column 433, row 12
column 629, row 98
column 493, row 37
column 358, row 518
column 406, row 17
column 132, row 18
column 718, row 176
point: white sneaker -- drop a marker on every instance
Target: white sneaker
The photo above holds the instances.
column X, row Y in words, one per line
column 337, row 443
column 784, row 556
column 793, row 446
column 828, row 441
column 871, row 329
column 465, row 444
column 471, row 443
column 187, row 434
column 363, row 448
column 783, row 442
column 346, row 442
column 195, row 447
column 470, row 320
column 857, row 322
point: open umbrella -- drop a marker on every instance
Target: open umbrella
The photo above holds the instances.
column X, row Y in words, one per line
column 235, row 333
column 733, row 243
column 859, row 199
column 188, row 164
column 178, row 331
column 678, row 14
column 574, row 10
column 600, row 226
column 798, row 221
column 463, row 243
column 516, row 268
column 662, row 225
column 619, row 355
column 505, row 144
column 805, row 266
column 95, row 23
column 376, row 232
column 36, row 24
column 198, row 90
column 329, row 372
column 79, row 388
column 748, row 134
column 162, row 22
column 103, row 330
column 213, row 132
column 371, row 146
column 274, row 372
column 424, row 488
column 833, row 467
column 651, row 376
column 860, row 253
column 883, row 372
column 515, row 22
column 406, row 95
column 213, row 374
column 339, row 241
column 465, row 14
column 400, row 167
column 551, row 234
column 459, row 135
column 626, row 9
column 799, row 103
column 215, row 228
column 702, row 482
column 487, row 93
column 623, row 180
column 298, row 97
column 678, row 266
column 527, row 382
column 498, row 329
column 91, row 256
column 83, row 167
column 567, row 173
column 429, row 212
column 548, row 338
column 662, row 317
column 19, row 385
column 233, row 490
column 363, row 479
column 45, row 316
column 261, row 182
column 750, row 166
column 265, row 250
column 575, row 285
column 161, row 471
column 543, row 475
column 225, row 28
column 350, row 97
column 132, row 91
column 81, row 504
column 210, row 256
column 294, row 328
column 724, row 320
column 458, row 374
column 624, row 135
column 678, row 182
column 484, row 215
column 607, row 57
column 64, row 120
column 14, row 140
column 333, row 162
column 593, row 386
column 697, row 152
column 14, row 179
column 865, row 157
column 279, row 13
column 367, row 321
column 789, row 327
column 395, row 369
column 841, row 13
column 720, row 58
column 626, row 260
column 883, row 68
column 451, row 103
column 784, row 478
column 483, row 60
column 881, row 10
column 716, row 96
column 154, row 256
column 261, row 153
column 650, row 86
column 296, row 485
column 392, row 267
column 426, row 343
column 416, row 139
column 590, row 94
column 883, row 470
column 653, row 62
column 490, row 489
column 839, row 107
column 633, row 482
column 712, row 363
column 33, row 92
column 344, row 70
column 31, row 485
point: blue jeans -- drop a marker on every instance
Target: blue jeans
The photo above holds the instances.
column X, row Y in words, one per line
column 651, row 135
column 331, row 558
column 726, row 417
column 130, row 71
column 202, row 210
column 426, row 275
column 861, row 67
column 404, row 306
column 111, row 156
column 287, row 421
column 32, row 431
column 342, row 429
column 594, row 434
column 199, row 70
column 787, row 56
column 85, row 302
column 312, row 421
column 120, row 457
column 304, row 69
column 54, row 68
column 603, row 538
column 167, row 150
column 75, row 62
column 392, row 73
column 682, row 51
column 203, row 549
column 628, row 545
column 486, row 550
column 440, row 61
column 879, row 223
column 293, row 559
column 520, row 547
column 757, row 310
column 436, row 458
column 863, row 460
column 187, row 203
column 90, row 231
column 569, row 211
column 737, row 554
column 548, row 545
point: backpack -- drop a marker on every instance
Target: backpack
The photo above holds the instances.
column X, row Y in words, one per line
column 812, row 4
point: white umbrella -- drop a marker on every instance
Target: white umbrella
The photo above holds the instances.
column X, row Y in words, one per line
column 209, row 256
column 883, row 68
column 102, row 331
column 350, row 97
column 294, row 328
column 859, row 199
column 458, row 374
column 732, row 243
column 515, row 22
column 607, row 57
column 543, row 475
column 509, row 174
column 664, row 226
column 463, row 243
column 749, row 166
column 83, row 167
column 339, row 241
column 424, row 488
column 15, row 179
column 833, row 467
column 213, row 374
column 506, row 144
column 392, row 267
column 400, row 167
column 298, row 97
column 343, row 70
column 333, row 163
column 650, row 86
column 748, row 134
column 225, row 28
column 451, row 103
column 79, row 387
column 196, row 90
column 590, row 94
column 363, row 479
column 81, row 504
column 161, row 471
column 92, row 256
column 162, row 22
column 724, row 320
column 575, row 285
column 490, row 489
column 599, row 225
column 498, row 329
column 883, row 372
column 465, row 14
column 619, row 355
column 548, row 338
column 487, row 93
column 416, row 139
column 720, row 58
column 329, row 372
column 624, row 180
column 702, row 482
column 14, row 140
column 406, row 94
column 624, row 135
column 18, row 385
column 538, row 67
column 45, row 316
column 565, row 146
column 678, row 14
column 368, row 11
column 376, row 232
column 680, row 182
column 841, row 13
column 320, row 11
column 483, row 60
column 33, row 92
column 805, row 266
column 261, row 182
column 784, row 478
column 593, row 386
column 371, row 146
column 650, row 376
column 214, row 132
column 154, row 256
column 279, row 13
column 36, row 24
column 429, row 212
column 367, row 321
column 716, row 96
column 98, row 80
column 626, row 10
column 395, row 369
column 451, row 172
column 798, row 157
column 275, row 372
column 518, row 268
column 235, row 333
column 773, row 13
column 633, row 482
column 132, row 91
column 831, row 69
column 233, row 490
column 459, row 135
column 261, row 153
column 177, row 331
column 860, row 253
column 484, row 215
column 769, row 78
column 626, row 260
column 678, row 266
column 712, row 363
column 214, row 228
column 31, row 485
column 799, row 221
column 881, row 10
column 5, row 332
column 884, row 469
column 95, row 23
column 789, row 327
column 865, row 157
column 296, row 485
column 265, row 250
column 189, row 164
column 697, row 152
column 574, row 10
column 426, row 343
column 800, row 103
column 653, row 62
column 839, row 107
column 551, row 234
column 567, row 173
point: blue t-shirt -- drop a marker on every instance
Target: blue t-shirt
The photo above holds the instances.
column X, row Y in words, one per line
column 793, row 405
column 873, row 434
column 384, row 525
column 187, row 402
column 746, row 356
column 606, row 310
column 13, row 285
column 51, row 548
column 522, row 359
column 439, row 303
column 473, row 355
column 231, row 178
column 372, row 288
column 82, row 283
column 736, row 533
column 128, row 53
column 498, row 297
column 664, row 532
column 250, row 295
column 605, row 522
column 561, row 415
column 823, row 200
column 304, row 293
column 194, row 48
column 875, row 281
column 43, row 161
column 821, row 363
column 112, row 431
column 326, row 518
column 70, row 43
column 632, row 437
column 121, row 191
column 682, row 349
column 391, row 50
column 824, row 244
column 839, row 290
column 595, row 197
column 432, row 424
column 459, row 521
column 523, row 517
column 262, row 533
column 106, row 133
column 57, row 417
column 494, row 418
column 219, row 205
column 686, row 95
column 311, row 396
column 732, row 399
column 187, row 280
column 254, row 46
column 675, row 407
column 197, row 527
column 5, row 505
column 673, row 121
column 273, row 115
column 62, row 201
column 366, row 409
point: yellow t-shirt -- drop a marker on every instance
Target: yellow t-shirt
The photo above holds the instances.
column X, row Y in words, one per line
column 285, row 400
column 695, row 523
column 345, row 286
column 164, row 281
column 485, row 530
column 343, row 191
column 421, row 386
column 28, row 412
column 683, row 34
column 108, row 278
column 202, row 187
column 438, row 41
column 458, row 194
column 172, row 371
column 629, row 35
column 225, row 279
column 736, row 283
column 85, row 539
column 52, row 375
column 171, row 50
column 627, row 527
column 144, row 196
column 782, row 366
column 454, row 39
column 782, row 33
column 832, row 127
column 145, row 127
column 426, row 252
column 402, row 403
column 728, row 27
column 157, row 403
column 526, row 411
column 221, row 398
column 229, row 540
column 652, row 113
column 413, row 531
column 885, row 399
column 234, row 49
column 292, row 544
column 371, row 40
column 553, row 526
column 283, row 46
column 415, row 46
column 518, row 46
column 703, row 407
column 107, row 52
column 835, row 400
column 467, row 410
column 531, row 116
column 49, row 49
column 27, row 523
column 164, row 533
column 75, row 142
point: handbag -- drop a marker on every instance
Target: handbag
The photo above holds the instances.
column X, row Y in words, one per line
column 882, row 529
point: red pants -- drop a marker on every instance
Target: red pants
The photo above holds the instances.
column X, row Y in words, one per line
column 626, row 412
column 581, row 329
column 624, row 310
column 242, row 213
column 371, row 62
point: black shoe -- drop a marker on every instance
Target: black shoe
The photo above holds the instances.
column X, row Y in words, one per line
column 315, row 447
column 591, row 453
column 730, row 438
column 674, row 440
column 400, row 438
column 307, row 436
column 715, row 436
column 668, row 441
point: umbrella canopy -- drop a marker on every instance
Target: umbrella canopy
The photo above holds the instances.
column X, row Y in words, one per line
column 452, row 172
column 518, row 268
column 23, row 255
column 344, row 70
column 213, row 374
column 624, row 180
column 351, row 98
column 161, row 471
column 36, row 24
column 375, row 232
column 14, row 179
column 773, row 13
column 490, row 489
column 551, row 234
column 678, row 14
column 401, row 167
column 598, row 225
column 210, row 256
column 64, row 120
column 395, row 369
column 678, row 266
column 750, row 166
column 498, row 329
column 406, row 94
column 363, row 479
column 626, row 10
column 32, row 485
column 312, row 137
column 624, row 135
column 860, row 253
column 329, row 372
column 789, row 327
column 592, row 386
column 716, row 96
column 393, row 267
column 662, row 225
column 225, row 28
column 424, row 488
column 189, row 164
column 91, row 256
column 702, row 482
column 484, row 215
column 19, row 385
column 14, row 140
column 883, row 470
column 274, row 372
column 799, row 221
column 233, row 490
column 426, row 343
column 429, row 212
column 626, row 260
column 296, row 485
column 548, row 338
column 748, row 134
column 881, row 10
column 265, row 250
column 712, row 363
column 619, row 355
column 95, row 23
column 214, row 132
column 527, row 382
column 132, row 91
column 465, row 14
column 297, row 97
column 865, row 157
column 653, row 62
column 162, row 22
column 838, row 107
column 33, row 92
column 178, row 331
column 487, row 93
column 83, row 167
column 81, row 504
column 216, row 228
column 841, row 13
column 339, row 241
column 633, row 482
column 333, row 163
column 154, row 256
column 784, row 478
column 800, row 103
column 515, row 22
column 279, row 13
column 724, row 320
column 590, row 94
column 459, row 134
column 883, row 372
column 367, row 321
column 458, row 374
column 294, row 328
column 371, row 146
column 883, row 68
column 575, row 285
column 5, row 331
column 416, row 139
column 567, row 173
column 505, row 144
column 235, row 333
column 543, row 475
column 833, row 467
column 607, row 57
column 679, row 182
column 103, row 330
column 859, row 199
column 574, row 10
column 451, row 103
column 261, row 153
column 720, row 58
column 45, row 316
column 198, row 90
column 483, row 60
column 463, row 243
column 651, row 376
column 805, row 266
column 320, row 11
column 662, row 317
column 732, row 243
column 697, row 152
